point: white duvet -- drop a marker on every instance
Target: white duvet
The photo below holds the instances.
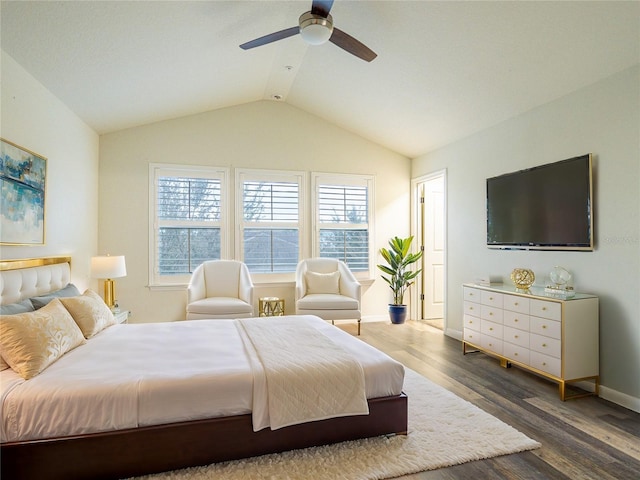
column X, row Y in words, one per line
column 149, row 374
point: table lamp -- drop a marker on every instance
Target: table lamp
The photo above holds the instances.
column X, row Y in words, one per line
column 108, row 267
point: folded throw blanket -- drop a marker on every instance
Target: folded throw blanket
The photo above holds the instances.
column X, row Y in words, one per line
column 308, row 377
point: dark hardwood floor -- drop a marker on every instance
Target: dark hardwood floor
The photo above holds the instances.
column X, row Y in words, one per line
column 586, row 438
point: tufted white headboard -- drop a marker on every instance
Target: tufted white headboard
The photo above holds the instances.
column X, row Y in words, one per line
column 21, row 279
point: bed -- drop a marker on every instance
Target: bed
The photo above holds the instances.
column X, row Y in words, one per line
column 146, row 403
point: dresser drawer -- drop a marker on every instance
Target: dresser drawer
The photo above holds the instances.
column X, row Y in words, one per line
column 515, row 303
column 471, row 322
column 542, row 308
column 472, row 294
column 545, row 363
column 493, row 314
column 546, row 345
column 472, row 336
column 491, row 298
column 516, row 320
column 491, row 343
column 472, row 309
column 515, row 352
column 546, row 327
column 513, row 335
column 492, row 329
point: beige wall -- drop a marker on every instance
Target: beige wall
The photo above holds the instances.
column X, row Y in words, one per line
column 603, row 119
column 263, row 134
column 35, row 119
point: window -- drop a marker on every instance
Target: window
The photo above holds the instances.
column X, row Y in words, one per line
column 188, row 224
column 343, row 217
column 270, row 208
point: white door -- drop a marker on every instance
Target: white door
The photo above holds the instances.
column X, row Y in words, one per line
column 434, row 247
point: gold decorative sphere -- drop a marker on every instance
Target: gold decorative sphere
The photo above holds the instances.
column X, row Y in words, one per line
column 523, row 278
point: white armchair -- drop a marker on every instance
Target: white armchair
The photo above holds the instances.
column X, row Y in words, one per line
column 327, row 288
column 220, row 289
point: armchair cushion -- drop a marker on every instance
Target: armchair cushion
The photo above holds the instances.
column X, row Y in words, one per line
column 323, row 282
column 323, row 301
column 220, row 306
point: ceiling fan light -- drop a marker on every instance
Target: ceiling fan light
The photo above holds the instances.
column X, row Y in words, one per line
column 314, row 29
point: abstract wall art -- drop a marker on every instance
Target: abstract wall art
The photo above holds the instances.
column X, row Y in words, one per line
column 22, row 185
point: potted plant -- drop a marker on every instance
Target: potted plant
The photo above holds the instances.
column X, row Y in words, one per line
column 400, row 277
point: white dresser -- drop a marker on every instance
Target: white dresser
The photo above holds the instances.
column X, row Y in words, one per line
column 554, row 337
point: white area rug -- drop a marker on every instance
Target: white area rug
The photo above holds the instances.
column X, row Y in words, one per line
column 444, row 430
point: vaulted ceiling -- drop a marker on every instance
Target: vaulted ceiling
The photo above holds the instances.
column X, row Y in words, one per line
column 444, row 69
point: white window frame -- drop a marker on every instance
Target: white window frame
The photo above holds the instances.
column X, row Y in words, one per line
column 157, row 170
column 252, row 175
column 352, row 180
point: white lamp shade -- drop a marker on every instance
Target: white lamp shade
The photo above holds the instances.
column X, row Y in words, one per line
column 108, row 266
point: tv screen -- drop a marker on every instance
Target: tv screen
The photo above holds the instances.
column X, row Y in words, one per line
column 548, row 207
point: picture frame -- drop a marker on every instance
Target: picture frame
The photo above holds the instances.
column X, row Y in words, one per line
column 23, row 188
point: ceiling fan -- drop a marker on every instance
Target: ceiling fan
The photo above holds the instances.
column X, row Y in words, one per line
column 316, row 27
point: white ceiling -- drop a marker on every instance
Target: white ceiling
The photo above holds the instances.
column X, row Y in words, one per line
column 444, row 69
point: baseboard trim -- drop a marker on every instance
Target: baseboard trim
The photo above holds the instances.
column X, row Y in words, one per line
column 619, row 398
column 450, row 332
column 375, row 318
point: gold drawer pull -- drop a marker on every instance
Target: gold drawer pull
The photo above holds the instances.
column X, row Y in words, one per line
column 470, row 308
column 515, row 320
column 515, row 354
column 544, row 326
column 490, row 314
column 544, row 364
column 491, row 329
column 544, row 345
column 516, row 336
column 516, row 304
column 490, row 298
column 544, row 308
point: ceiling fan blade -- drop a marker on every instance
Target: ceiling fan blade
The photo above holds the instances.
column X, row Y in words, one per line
column 272, row 37
column 351, row 45
column 321, row 7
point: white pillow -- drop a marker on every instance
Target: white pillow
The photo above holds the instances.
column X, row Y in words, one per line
column 30, row 342
column 323, row 282
column 90, row 312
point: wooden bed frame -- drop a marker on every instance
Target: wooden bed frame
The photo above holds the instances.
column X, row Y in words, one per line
column 145, row 450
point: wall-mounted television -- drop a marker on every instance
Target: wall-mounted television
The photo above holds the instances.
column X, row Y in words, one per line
column 548, row 207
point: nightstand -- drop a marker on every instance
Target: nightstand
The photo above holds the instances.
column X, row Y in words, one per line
column 122, row 316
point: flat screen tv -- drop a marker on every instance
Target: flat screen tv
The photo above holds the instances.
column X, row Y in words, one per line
column 549, row 207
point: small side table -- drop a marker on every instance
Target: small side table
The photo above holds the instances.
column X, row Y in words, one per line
column 122, row 316
column 271, row 306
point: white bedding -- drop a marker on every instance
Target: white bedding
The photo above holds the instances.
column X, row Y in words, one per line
column 302, row 375
column 148, row 374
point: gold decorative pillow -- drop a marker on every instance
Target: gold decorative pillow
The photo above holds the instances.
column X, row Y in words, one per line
column 323, row 282
column 90, row 312
column 30, row 342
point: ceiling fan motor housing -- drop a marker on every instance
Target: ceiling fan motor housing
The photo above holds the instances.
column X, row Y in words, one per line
column 315, row 29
